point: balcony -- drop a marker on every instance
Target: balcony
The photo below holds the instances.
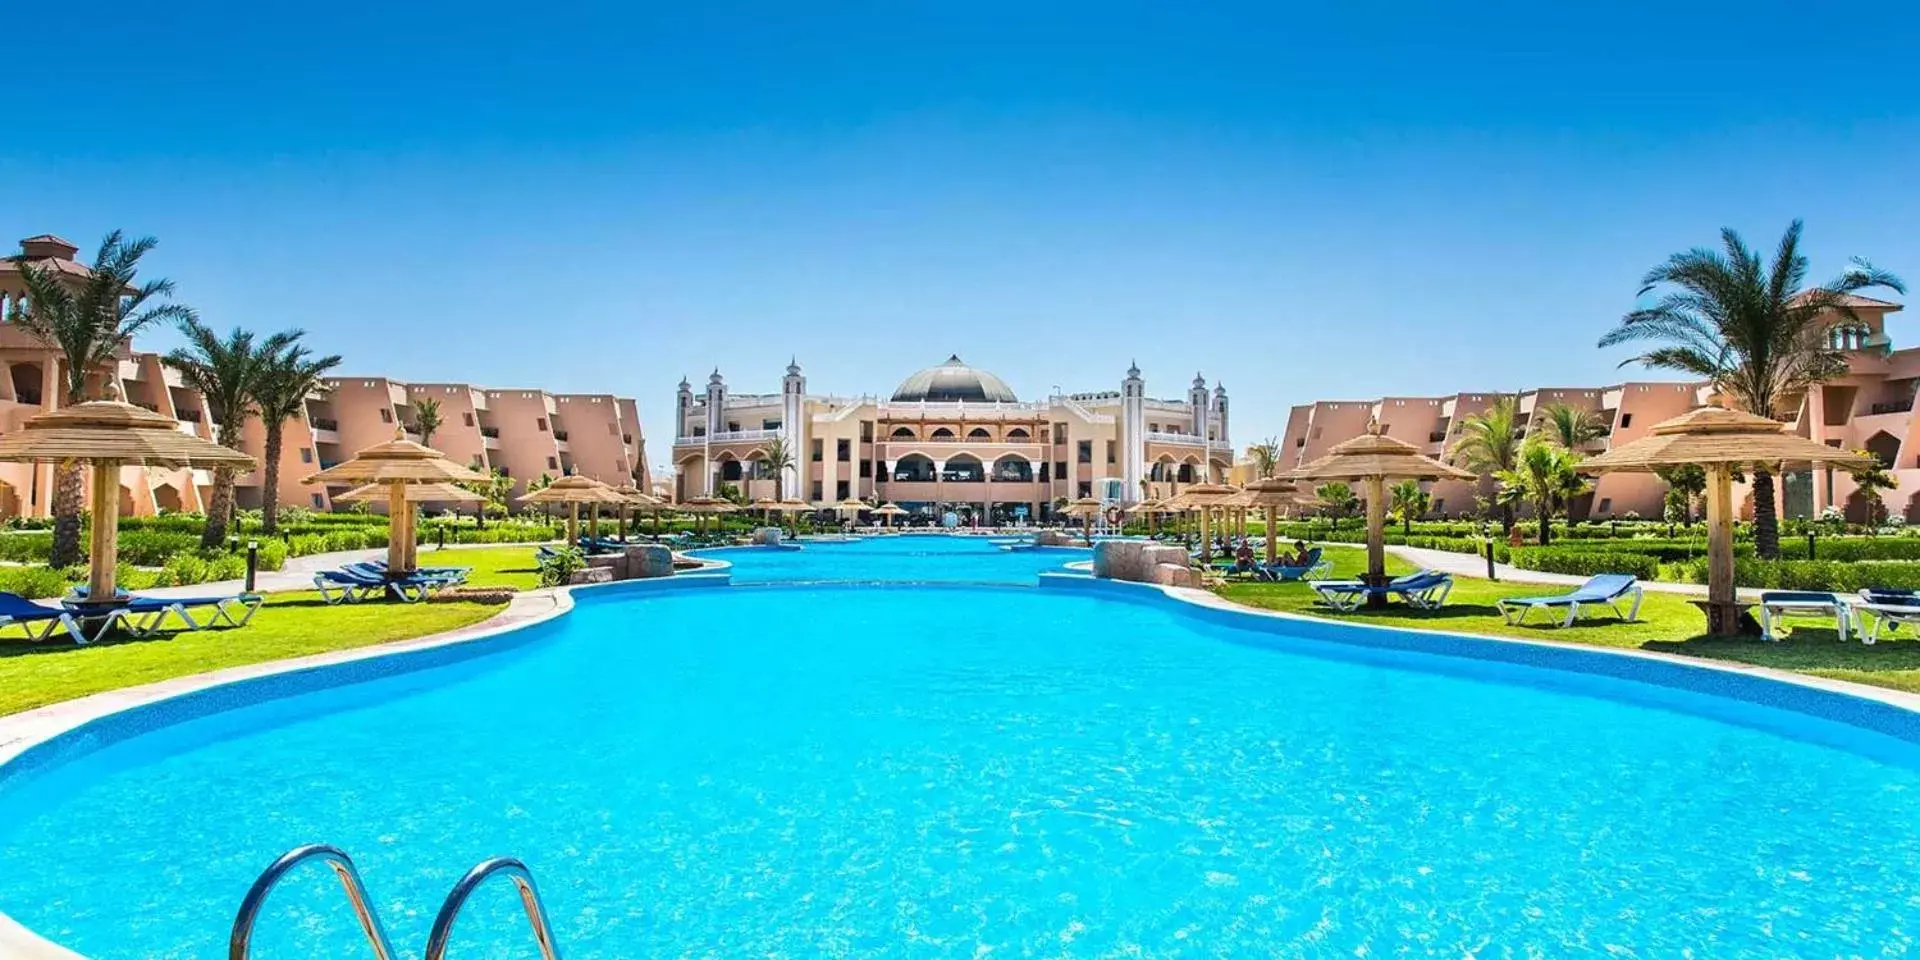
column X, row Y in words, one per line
column 1187, row 440
column 1891, row 406
column 1437, row 436
column 491, row 433
column 730, row 436
column 626, row 438
column 560, row 435
column 323, row 423
column 189, row 415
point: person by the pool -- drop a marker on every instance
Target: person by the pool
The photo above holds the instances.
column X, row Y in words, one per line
column 1243, row 558
column 1299, row 558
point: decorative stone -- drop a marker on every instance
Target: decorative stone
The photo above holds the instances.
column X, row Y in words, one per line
column 595, row 574
column 1121, row 560
column 1173, row 575
column 1056, row 538
column 648, row 560
column 1159, row 553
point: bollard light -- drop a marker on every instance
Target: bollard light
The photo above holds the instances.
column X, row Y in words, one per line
column 253, row 562
column 1490, row 574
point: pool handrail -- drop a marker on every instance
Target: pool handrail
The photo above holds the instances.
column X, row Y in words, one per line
column 529, row 899
column 240, row 945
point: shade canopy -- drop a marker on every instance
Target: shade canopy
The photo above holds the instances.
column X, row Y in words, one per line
column 416, row 493
column 852, row 505
column 576, row 489
column 113, row 430
column 1272, row 492
column 398, row 461
column 1374, row 455
column 795, row 505
column 1734, row 438
column 706, row 505
column 889, row 510
column 1147, row 506
column 1198, row 496
column 765, row 503
column 637, row 497
column 1084, row 507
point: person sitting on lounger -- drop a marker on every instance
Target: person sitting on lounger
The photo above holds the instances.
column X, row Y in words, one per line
column 1243, row 558
column 1301, row 555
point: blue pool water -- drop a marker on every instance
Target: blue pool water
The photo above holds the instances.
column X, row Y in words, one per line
column 965, row 771
column 915, row 557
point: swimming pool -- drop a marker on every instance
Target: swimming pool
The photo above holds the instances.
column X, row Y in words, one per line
column 939, row 770
column 909, row 557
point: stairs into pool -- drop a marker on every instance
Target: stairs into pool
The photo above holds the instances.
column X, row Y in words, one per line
column 240, row 946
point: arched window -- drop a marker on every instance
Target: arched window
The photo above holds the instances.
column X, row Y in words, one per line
column 902, row 433
column 1186, row 473
column 979, row 433
column 913, row 467
column 1012, row 470
column 1018, row 435
column 730, row 469
column 964, row 469
column 942, row 433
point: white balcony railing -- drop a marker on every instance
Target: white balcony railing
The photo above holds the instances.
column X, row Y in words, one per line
column 1187, row 440
column 729, row 436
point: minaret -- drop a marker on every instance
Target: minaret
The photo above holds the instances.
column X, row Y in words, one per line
column 1197, row 412
column 793, row 428
column 683, row 403
column 716, row 419
column 1133, row 434
column 1220, row 410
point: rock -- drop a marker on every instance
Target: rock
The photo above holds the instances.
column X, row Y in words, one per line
column 1057, row 538
column 1121, row 560
column 1173, row 575
column 768, row 537
column 648, row 560
column 472, row 595
column 1157, row 554
column 615, row 563
column 592, row 574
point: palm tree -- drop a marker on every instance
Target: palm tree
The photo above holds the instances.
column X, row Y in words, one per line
column 1574, row 427
column 1337, row 500
column 1408, row 501
column 1686, row 483
column 779, row 460
column 1266, row 457
column 538, row 484
column 280, row 391
column 1750, row 329
column 86, row 322
column 224, row 372
column 1489, row 444
column 496, row 488
column 426, row 419
column 1868, row 482
column 1545, row 476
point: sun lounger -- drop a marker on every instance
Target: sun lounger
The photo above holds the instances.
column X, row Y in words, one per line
column 451, row 575
column 1775, row 604
column 1883, row 610
column 148, row 615
column 1607, row 589
column 1423, row 590
column 16, row 610
column 353, row 585
column 1316, row 566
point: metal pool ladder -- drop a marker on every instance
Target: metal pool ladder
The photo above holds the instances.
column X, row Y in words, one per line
column 240, row 945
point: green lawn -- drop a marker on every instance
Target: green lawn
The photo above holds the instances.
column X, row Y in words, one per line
column 1668, row 623
column 290, row 625
column 505, row 566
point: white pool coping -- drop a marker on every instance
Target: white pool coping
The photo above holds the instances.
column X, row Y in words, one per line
column 23, row 731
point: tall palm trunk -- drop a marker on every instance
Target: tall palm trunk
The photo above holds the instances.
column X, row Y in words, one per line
column 270, row 482
column 219, row 509
column 69, row 491
column 1766, row 520
column 1545, row 514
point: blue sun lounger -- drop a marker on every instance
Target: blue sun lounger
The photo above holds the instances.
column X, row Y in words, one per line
column 146, row 615
column 1605, row 589
column 16, row 610
column 1423, row 590
column 1776, row 604
column 451, row 576
column 352, row 586
column 1879, row 609
column 1316, row 564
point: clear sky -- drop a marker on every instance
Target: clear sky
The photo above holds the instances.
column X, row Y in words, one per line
column 1305, row 201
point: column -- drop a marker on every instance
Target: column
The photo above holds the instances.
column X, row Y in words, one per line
column 1820, row 476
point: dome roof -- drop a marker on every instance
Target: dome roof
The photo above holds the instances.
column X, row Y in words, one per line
column 954, row 380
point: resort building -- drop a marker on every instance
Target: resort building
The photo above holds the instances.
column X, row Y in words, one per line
column 949, row 438
column 524, row 432
column 1870, row 408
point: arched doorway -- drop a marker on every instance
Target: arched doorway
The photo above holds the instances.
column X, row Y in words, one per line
column 964, row 468
column 914, row 467
column 1012, row 468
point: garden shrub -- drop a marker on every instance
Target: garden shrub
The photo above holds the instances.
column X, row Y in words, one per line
column 184, row 568
column 26, row 547
column 345, row 540
column 35, row 582
column 1580, row 562
column 1827, row 575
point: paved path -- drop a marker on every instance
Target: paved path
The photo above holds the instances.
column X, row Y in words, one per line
column 1472, row 565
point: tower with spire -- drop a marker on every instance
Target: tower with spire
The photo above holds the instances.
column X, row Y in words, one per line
column 1197, row 405
column 1220, row 412
column 1133, row 434
column 683, row 408
column 793, row 425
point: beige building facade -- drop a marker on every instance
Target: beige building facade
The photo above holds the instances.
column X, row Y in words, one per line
column 1870, row 408
column 949, row 439
column 525, row 432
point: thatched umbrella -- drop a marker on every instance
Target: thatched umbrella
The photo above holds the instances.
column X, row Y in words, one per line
column 106, row 435
column 416, row 493
column 1374, row 458
column 1086, row 508
column 850, row 508
column 703, row 507
column 1204, row 498
column 1147, row 508
column 635, row 497
column 1272, row 493
column 766, row 506
column 396, row 465
column 1721, row 441
column 574, row 490
column 888, row 511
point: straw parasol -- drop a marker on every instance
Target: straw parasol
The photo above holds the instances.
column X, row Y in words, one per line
column 766, row 506
column 416, row 493
column 574, row 490
column 888, row 511
column 1086, row 508
column 703, row 506
column 107, row 434
column 851, row 508
column 1272, row 493
column 1374, row 458
column 1204, row 498
column 1721, row 441
column 636, row 497
column 396, row 465
column 1150, row 509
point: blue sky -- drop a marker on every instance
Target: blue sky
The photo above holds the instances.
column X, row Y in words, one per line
column 1323, row 201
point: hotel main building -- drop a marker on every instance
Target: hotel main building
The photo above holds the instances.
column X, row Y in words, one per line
column 950, row 437
column 1870, row 408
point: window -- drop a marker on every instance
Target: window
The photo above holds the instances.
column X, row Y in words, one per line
column 1111, row 447
column 1440, row 505
column 1626, row 420
column 733, row 426
column 699, row 431
column 1606, row 505
column 1059, row 433
column 979, row 433
column 816, row 490
column 1086, row 489
column 1153, row 428
column 1046, row 472
column 1085, row 451
column 769, row 424
column 540, row 424
column 902, row 433
column 553, row 464
column 1300, row 442
column 866, row 431
column 611, row 429
column 1018, row 434
column 506, row 471
column 942, row 433
column 843, row 450
column 386, row 415
column 840, row 491
column 817, row 452
column 306, row 454
column 318, row 502
column 1059, row 469
column 467, row 418
column 866, row 469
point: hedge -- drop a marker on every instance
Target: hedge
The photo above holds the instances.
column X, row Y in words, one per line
column 1834, row 575
column 1586, row 563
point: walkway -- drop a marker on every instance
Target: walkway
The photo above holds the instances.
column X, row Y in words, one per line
column 1472, row 565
